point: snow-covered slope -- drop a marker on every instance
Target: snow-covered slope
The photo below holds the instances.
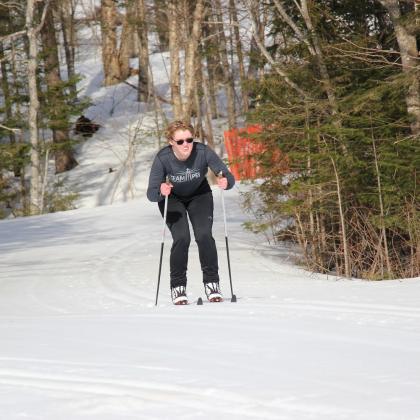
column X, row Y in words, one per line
column 80, row 337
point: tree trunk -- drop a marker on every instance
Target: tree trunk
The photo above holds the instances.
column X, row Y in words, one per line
column 381, row 207
column 144, row 84
column 256, row 36
column 7, row 100
column 18, row 115
column 409, row 58
column 66, row 14
column 190, row 59
column 174, row 58
column 255, row 58
column 344, row 240
column 212, row 61
column 326, row 81
column 227, row 76
column 110, row 56
column 35, row 186
column 9, row 87
column 64, row 158
column 239, row 54
column 125, row 49
column 160, row 14
column 325, row 77
column 208, row 112
column 205, row 104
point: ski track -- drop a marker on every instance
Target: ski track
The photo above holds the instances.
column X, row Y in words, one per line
column 185, row 401
column 111, row 275
column 92, row 307
column 114, row 276
column 191, row 398
column 383, row 312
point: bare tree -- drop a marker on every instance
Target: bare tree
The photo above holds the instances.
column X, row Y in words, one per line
column 227, row 74
column 190, row 59
column 110, row 51
column 211, row 53
column 126, row 48
column 317, row 51
column 65, row 10
column 256, row 36
column 175, row 78
column 161, row 23
column 64, row 158
column 255, row 53
column 239, row 52
column 409, row 51
column 7, row 97
column 142, row 28
column 31, row 31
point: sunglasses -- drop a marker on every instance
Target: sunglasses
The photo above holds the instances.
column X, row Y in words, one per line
column 180, row 142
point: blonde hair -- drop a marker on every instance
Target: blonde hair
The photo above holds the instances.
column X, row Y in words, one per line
column 178, row 125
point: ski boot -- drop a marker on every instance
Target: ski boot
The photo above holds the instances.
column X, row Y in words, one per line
column 213, row 292
column 179, row 295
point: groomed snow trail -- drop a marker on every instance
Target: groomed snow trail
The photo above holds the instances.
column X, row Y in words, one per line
column 82, row 339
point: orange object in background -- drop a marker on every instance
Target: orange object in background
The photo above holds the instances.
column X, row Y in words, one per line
column 241, row 150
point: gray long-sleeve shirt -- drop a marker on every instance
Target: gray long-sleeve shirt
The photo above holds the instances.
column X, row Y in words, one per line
column 188, row 177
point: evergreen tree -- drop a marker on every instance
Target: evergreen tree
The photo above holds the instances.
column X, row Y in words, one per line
column 350, row 190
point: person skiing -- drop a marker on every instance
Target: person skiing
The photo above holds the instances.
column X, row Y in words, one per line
column 179, row 172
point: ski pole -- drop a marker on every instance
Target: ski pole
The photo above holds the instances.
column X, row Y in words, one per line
column 233, row 299
column 165, row 212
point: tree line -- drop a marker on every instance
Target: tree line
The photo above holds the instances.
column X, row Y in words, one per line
column 333, row 84
column 341, row 105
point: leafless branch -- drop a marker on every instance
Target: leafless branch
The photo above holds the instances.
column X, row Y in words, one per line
column 270, row 59
column 151, row 93
column 18, row 34
column 13, row 130
column 287, row 19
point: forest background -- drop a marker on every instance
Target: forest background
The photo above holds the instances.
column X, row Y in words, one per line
column 332, row 85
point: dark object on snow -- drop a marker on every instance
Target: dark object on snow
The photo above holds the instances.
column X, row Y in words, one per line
column 199, row 301
column 85, row 126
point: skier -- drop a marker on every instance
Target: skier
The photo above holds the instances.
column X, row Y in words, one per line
column 184, row 164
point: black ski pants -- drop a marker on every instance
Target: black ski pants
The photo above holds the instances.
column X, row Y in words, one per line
column 199, row 209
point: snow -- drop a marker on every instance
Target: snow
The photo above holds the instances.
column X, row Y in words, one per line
column 81, row 338
column 80, row 334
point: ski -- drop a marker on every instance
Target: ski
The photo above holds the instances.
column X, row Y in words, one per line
column 201, row 302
